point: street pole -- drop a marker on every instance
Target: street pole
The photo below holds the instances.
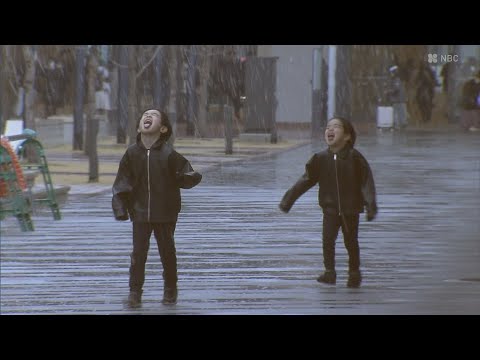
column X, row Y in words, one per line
column 332, row 69
column 227, row 116
column 316, row 92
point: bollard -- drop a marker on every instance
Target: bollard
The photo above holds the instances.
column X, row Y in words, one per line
column 227, row 116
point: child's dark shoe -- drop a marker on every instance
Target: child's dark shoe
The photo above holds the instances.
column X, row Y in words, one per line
column 328, row 277
column 170, row 295
column 354, row 279
column 134, row 299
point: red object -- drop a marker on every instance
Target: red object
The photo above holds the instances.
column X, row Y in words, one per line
column 16, row 165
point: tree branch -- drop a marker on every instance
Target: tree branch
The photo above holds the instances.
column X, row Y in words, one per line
column 159, row 47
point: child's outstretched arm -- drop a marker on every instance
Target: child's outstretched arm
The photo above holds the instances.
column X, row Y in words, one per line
column 303, row 184
column 121, row 191
column 368, row 190
column 185, row 176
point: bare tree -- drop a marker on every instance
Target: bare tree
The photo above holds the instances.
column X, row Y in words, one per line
column 11, row 79
column 180, row 82
column 29, row 54
column 2, row 87
column 409, row 57
column 132, row 93
column 78, row 123
column 92, row 120
column 203, row 66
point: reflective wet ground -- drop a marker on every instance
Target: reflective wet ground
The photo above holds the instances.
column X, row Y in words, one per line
column 238, row 254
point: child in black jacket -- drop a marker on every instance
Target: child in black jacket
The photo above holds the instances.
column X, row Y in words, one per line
column 147, row 190
column 346, row 187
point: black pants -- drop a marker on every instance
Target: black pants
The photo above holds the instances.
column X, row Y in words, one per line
column 164, row 234
column 331, row 225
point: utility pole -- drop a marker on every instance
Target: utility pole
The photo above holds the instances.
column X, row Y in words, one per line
column 332, row 69
column 316, row 92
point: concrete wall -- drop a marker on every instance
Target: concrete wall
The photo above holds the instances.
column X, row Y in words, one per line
column 294, row 76
column 58, row 130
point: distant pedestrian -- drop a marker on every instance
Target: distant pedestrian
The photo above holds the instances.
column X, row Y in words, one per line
column 445, row 74
column 54, row 79
column 470, row 103
column 346, row 187
column 102, row 91
column 147, row 190
column 398, row 98
column 425, row 82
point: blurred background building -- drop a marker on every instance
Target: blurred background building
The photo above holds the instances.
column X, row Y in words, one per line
column 291, row 90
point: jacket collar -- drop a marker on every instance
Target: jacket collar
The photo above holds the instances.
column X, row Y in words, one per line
column 156, row 144
column 343, row 153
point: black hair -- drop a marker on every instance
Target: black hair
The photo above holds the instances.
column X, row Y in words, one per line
column 347, row 128
column 164, row 121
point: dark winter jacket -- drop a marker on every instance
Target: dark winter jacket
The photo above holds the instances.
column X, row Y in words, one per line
column 148, row 182
column 355, row 183
column 470, row 94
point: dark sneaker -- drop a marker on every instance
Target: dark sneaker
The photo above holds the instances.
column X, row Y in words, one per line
column 328, row 277
column 354, row 279
column 170, row 296
column 134, row 299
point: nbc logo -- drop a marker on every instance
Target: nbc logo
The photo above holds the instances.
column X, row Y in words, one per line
column 432, row 58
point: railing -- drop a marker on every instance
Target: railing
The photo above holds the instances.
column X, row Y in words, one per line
column 31, row 157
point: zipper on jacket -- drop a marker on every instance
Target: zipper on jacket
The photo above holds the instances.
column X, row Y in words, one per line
column 148, row 181
column 338, row 194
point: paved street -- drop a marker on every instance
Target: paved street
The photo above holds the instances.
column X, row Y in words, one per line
column 238, row 254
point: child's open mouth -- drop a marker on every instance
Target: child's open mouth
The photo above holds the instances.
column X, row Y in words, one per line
column 330, row 137
column 147, row 124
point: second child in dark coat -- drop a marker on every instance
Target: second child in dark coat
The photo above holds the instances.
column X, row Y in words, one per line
column 346, row 187
column 470, row 102
column 147, row 190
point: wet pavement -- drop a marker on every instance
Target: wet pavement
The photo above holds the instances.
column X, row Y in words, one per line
column 238, row 254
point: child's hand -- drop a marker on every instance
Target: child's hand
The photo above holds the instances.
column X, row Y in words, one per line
column 283, row 207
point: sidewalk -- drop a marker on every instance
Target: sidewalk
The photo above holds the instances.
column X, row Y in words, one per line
column 239, row 255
